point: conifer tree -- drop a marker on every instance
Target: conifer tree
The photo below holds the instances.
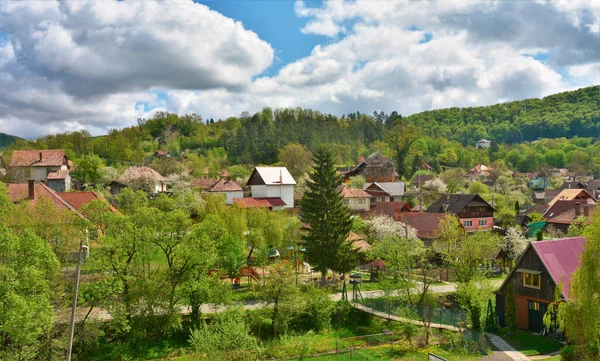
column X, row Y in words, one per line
column 322, row 208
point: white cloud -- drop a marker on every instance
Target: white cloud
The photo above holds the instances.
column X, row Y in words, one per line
column 89, row 63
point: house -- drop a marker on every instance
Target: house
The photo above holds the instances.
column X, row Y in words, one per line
column 161, row 154
column 375, row 168
column 562, row 213
column 33, row 191
column 144, row 178
column 480, row 170
column 274, row 204
column 542, row 266
column 203, row 183
column 390, row 209
column 573, row 185
column 79, row 199
column 593, row 188
column 420, row 179
column 573, row 194
column 115, row 187
column 474, row 213
column 385, row 191
column 37, row 164
column 229, row 188
column 272, row 182
column 483, row 143
column 59, row 180
column 356, row 199
column 426, row 224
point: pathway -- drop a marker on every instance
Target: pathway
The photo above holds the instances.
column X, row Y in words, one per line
column 507, row 349
column 388, row 316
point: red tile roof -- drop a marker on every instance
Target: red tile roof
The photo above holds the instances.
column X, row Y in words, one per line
column 38, row 158
column 561, row 258
column 203, row 182
column 426, row 224
column 79, row 199
column 354, row 193
column 258, row 202
column 59, row 174
column 224, row 185
column 20, row 191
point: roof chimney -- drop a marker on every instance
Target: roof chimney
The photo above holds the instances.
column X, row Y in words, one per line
column 577, row 209
column 40, row 156
column 31, row 188
column 361, row 159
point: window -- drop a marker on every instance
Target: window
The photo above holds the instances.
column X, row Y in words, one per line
column 468, row 223
column 534, row 305
column 483, row 223
column 361, row 201
column 531, row 280
column 346, row 201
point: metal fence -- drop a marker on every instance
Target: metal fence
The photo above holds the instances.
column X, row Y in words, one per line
column 395, row 307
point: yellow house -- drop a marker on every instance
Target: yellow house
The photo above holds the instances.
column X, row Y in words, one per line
column 356, row 199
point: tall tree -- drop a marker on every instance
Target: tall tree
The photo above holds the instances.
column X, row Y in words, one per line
column 399, row 139
column 296, row 157
column 322, row 208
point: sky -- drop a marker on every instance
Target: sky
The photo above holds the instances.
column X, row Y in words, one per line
column 99, row 65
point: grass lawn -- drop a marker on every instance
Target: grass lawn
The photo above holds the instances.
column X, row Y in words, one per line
column 395, row 352
column 529, row 344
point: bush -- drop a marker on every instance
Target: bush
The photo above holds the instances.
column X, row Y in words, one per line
column 318, row 309
column 580, row 353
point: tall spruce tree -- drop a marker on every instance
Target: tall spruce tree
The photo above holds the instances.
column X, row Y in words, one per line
column 322, row 208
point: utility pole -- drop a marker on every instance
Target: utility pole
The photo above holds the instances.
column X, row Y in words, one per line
column 78, row 272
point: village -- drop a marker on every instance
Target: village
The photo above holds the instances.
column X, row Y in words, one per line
column 526, row 260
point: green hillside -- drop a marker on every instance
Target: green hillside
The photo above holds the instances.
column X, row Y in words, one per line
column 7, row 140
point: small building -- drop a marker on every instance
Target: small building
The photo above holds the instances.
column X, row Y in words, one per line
column 144, row 178
column 385, row 191
column 33, row 191
column 375, row 168
column 483, row 144
column 390, row 209
column 37, row 164
column 356, row 199
column 272, row 182
column 79, row 199
column 229, row 188
column 161, row 154
column 203, row 183
column 480, row 170
column 542, row 266
column 59, row 181
column 593, row 188
column 572, row 194
column 562, row 213
column 474, row 213
column 115, row 187
column 573, row 185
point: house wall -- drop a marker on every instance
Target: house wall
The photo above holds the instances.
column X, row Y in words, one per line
column 355, row 204
column 285, row 192
column 475, row 224
column 230, row 196
column 544, row 295
column 58, row 185
column 38, row 173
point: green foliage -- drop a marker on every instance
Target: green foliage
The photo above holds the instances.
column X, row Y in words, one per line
column 322, row 208
column 577, row 227
column 296, row 158
column 88, row 168
column 357, row 181
column 226, row 333
column 473, row 297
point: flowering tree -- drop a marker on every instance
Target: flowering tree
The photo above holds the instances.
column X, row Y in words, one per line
column 382, row 227
column 514, row 242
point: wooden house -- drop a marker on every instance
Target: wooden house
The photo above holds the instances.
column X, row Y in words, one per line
column 375, row 168
column 474, row 213
column 542, row 266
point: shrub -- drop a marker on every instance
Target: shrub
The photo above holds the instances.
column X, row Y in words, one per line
column 318, row 309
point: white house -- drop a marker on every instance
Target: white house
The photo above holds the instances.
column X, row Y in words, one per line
column 483, row 143
column 272, row 182
column 229, row 188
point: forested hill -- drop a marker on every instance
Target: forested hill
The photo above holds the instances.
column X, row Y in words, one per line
column 443, row 137
column 568, row 114
column 7, row 140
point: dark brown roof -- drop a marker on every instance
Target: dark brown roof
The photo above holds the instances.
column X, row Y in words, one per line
column 38, row 158
column 387, row 209
column 224, row 185
column 203, row 182
column 454, row 203
column 426, row 224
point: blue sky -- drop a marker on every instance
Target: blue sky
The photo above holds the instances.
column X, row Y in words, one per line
column 102, row 65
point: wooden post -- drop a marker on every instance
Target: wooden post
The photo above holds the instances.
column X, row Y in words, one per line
column 336, row 347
